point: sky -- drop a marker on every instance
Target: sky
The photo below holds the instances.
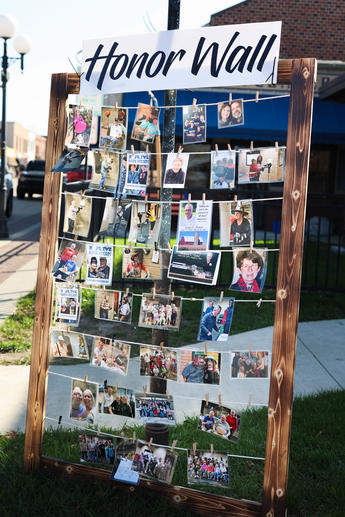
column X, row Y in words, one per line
column 57, row 29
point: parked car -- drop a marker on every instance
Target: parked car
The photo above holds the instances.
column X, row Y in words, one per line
column 77, row 174
column 31, row 180
column 9, row 192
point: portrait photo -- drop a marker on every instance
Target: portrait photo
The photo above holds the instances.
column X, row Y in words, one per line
column 249, row 365
column 196, row 267
column 77, row 214
column 154, row 462
column 111, row 355
column 106, row 171
column 70, row 259
column 223, row 165
column 141, row 263
column 145, row 223
column 264, row 165
column 96, row 449
column 66, row 345
column 236, row 223
column 250, row 267
column 194, row 226
column 160, row 311
column 99, row 259
column 194, row 123
column 79, row 120
column 67, row 305
column 207, row 468
column 219, row 420
column 155, row 409
column 137, row 173
column 176, row 170
column 113, row 128
column 115, row 218
column 70, row 160
column 113, row 305
column 230, row 113
column 83, row 401
column 146, row 123
column 216, row 318
column 158, row 362
column 200, row 367
column 115, row 401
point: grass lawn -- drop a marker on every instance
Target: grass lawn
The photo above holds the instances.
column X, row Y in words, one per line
column 316, row 474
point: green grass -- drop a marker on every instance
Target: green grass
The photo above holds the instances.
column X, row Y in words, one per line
column 16, row 332
column 316, row 472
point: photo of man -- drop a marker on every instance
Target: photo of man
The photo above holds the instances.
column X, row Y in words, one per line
column 69, row 260
column 236, row 223
column 116, row 401
column 158, row 362
column 195, row 267
column 194, row 123
column 99, row 264
column 141, row 263
column 111, row 355
column 219, row 420
column 199, row 367
column 77, row 214
column 68, row 347
column 106, row 171
column 113, row 128
column 176, row 170
column 67, row 305
column 263, row 165
column 160, row 312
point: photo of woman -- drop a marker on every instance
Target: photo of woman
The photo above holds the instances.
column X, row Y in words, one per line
column 249, row 270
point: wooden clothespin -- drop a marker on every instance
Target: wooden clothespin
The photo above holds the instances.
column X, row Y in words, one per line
column 168, row 246
column 68, row 328
column 205, row 345
column 251, row 146
column 194, row 448
column 153, row 293
column 189, row 197
column 251, row 246
column 230, row 98
column 203, row 198
column 206, row 398
column 167, row 394
column 276, row 145
column 249, row 401
column 116, row 105
column 229, row 148
column 85, row 378
column 147, row 149
column 105, row 148
column 259, row 303
column 257, row 96
column 116, row 386
column 194, row 101
column 107, row 242
column 249, row 349
column 75, row 238
column 132, row 149
column 98, row 430
column 127, row 291
column 211, row 449
column 146, row 198
column 221, row 296
column 150, row 442
column 220, row 400
column 103, row 287
column 235, row 197
column 173, row 445
column 216, row 148
column 133, row 436
column 172, row 296
column 144, row 390
column 161, row 344
column 179, row 151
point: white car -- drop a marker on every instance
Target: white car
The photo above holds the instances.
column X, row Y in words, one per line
column 9, row 192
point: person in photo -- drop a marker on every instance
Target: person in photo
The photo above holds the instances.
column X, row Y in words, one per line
column 116, row 133
column 93, row 268
column 103, row 270
column 227, row 317
column 211, row 370
column 82, row 348
column 250, row 265
column 175, row 175
column 224, row 115
column 124, row 309
column 136, row 268
column 236, row 112
column 99, row 353
column 61, row 349
column 195, row 369
column 104, row 308
column 209, row 323
column 210, row 263
column 77, row 407
column 255, row 170
column 188, row 221
column 121, row 361
column 65, row 256
column 133, row 174
column 89, row 403
column 73, row 210
column 105, row 169
column 240, row 230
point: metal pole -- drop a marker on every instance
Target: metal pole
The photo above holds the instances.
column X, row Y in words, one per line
column 3, row 189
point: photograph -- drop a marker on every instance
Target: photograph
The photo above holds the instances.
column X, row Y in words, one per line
column 230, row 113
column 141, row 263
column 83, row 401
column 113, row 305
column 176, row 170
column 138, row 166
column 113, row 400
column 145, row 223
column 250, row 267
column 249, row 365
column 194, row 226
column 216, row 318
column 160, row 311
column 113, row 128
column 158, row 362
column 146, row 123
column 96, row 449
column 200, row 367
column 154, row 462
column 236, row 223
column 77, row 214
column 154, row 409
column 264, row 165
column 219, row 420
column 65, row 345
column 194, row 123
column 106, row 171
column 70, row 160
column 124, row 455
column 223, row 166
column 207, row 468
column 111, row 355
column 79, row 120
column 99, row 264
column 196, row 267
column 70, row 259
column 115, row 218
column 67, row 305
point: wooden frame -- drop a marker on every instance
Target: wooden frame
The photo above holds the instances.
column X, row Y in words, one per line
column 300, row 73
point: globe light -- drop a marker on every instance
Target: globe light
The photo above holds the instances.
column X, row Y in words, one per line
column 21, row 44
column 8, row 26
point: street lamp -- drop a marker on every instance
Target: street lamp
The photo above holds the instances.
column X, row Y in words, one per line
column 7, row 30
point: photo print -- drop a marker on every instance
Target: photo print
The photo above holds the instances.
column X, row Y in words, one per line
column 158, row 362
column 210, row 468
column 200, row 367
column 216, row 318
column 146, row 124
column 219, row 420
column 236, row 223
column 264, row 165
column 138, row 166
column 194, row 123
column 99, row 264
column 250, row 365
column 70, row 160
column 77, row 214
column 154, row 409
column 115, row 218
column 250, row 267
column 67, row 305
column 145, row 223
column 154, row 462
column 111, row 355
column 194, row 226
column 141, row 263
column 113, row 128
column 79, row 121
column 70, row 259
column 124, row 455
column 160, row 311
column 222, row 169
column 96, row 449
column 106, row 171
column 230, row 113
column 176, row 170
column 67, row 345
column 113, row 305
column 196, row 267
column 83, row 401
column 113, row 400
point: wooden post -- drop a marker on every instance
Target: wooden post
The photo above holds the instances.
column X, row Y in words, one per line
column 288, row 287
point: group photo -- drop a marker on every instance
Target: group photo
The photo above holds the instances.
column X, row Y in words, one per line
column 207, row 468
column 116, row 401
column 94, row 449
column 158, row 362
column 111, row 355
column 154, row 462
column 160, row 311
column 250, row 365
column 113, row 305
column 194, row 123
column 155, row 409
column 219, row 420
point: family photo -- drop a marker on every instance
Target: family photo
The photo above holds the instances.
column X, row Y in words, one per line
column 230, row 113
column 160, row 311
column 83, row 401
column 94, row 449
column 113, row 400
column 99, row 264
column 250, row 268
column 195, row 267
column 154, row 409
column 158, row 362
column 154, row 462
column 194, row 123
column 113, row 128
column 194, row 226
column 236, row 223
column 111, row 355
column 68, row 345
column 222, row 169
column 207, row 468
column 67, row 305
column 77, row 214
column 250, row 365
column 199, row 367
column 106, row 171
column 141, row 263
column 113, row 305
column 219, row 420
column 216, row 318
column 70, row 259
column 264, row 165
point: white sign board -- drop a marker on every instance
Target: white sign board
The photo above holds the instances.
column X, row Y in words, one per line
column 210, row 56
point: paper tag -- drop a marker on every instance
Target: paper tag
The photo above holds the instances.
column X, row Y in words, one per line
column 155, row 256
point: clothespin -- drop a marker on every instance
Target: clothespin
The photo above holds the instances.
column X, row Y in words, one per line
column 216, row 148
column 144, row 390
column 151, row 101
column 230, row 98
column 169, row 247
column 251, row 146
column 116, row 104
column 98, row 429
column 127, row 291
column 194, row 102
column 250, row 349
column 60, row 418
column 205, row 345
column 150, row 442
column 167, row 394
column 75, row 238
column 153, row 293
column 130, row 245
column 259, row 303
column 133, row 436
column 156, row 248
column 132, row 149
column 220, row 400
column 249, row 401
column 116, row 386
column 172, row 296
column 68, row 328
column 189, row 197
column 221, row 296
column 194, row 448
column 257, row 96
column 173, row 445
column 211, row 449
column 251, row 246
column 161, row 345
column 203, row 198
column 105, row 383
column 107, row 242
column 276, row 144
column 85, row 378
column 179, row 151
column 229, row 148
column 147, row 149
column 206, row 398
column 105, row 147
column 235, row 197
column 103, row 287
